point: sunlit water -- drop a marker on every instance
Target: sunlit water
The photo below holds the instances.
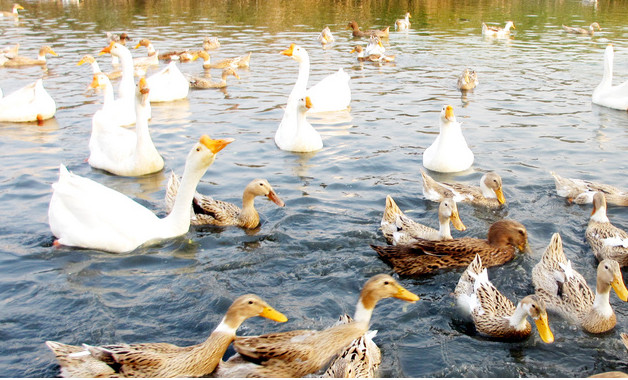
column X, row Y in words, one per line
column 530, row 114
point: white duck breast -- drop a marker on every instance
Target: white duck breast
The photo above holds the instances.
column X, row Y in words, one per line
column 607, row 95
column 299, row 136
column 29, row 103
column 449, row 153
column 168, row 84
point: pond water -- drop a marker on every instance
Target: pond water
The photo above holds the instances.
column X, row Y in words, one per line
column 530, row 114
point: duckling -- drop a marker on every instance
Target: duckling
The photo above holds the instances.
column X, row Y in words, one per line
column 495, row 315
column 403, row 23
column 606, row 240
column 367, row 33
column 449, row 153
column 489, row 194
column 210, row 211
column 497, row 32
column 372, row 57
column 566, row 292
column 576, row 30
column 325, row 37
column 581, row 192
column 468, row 80
column 427, row 256
column 25, row 61
column 210, row 43
column 13, row 12
column 162, row 359
column 200, row 82
column 399, row 229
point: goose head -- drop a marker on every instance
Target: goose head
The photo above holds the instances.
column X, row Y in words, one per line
column 447, row 114
column 304, row 104
column 296, row 52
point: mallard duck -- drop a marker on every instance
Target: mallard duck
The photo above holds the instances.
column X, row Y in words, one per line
column 119, row 150
column 301, row 352
column 13, row 13
column 200, row 82
column 301, row 137
column 576, row 30
column 152, row 57
column 210, row 211
column 489, row 194
column 325, row 37
column 403, row 23
column 496, row 31
column 126, row 89
column 493, row 313
column 210, row 43
column 367, row 33
column 237, row 62
column 29, row 103
column 581, row 192
column 19, row 60
column 449, row 153
column 372, row 57
column 427, row 256
column 84, row 213
column 606, row 240
column 168, row 84
column 468, row 80
column 162, row 359
column 607, row 95
column 399, row 229
column 566, row 292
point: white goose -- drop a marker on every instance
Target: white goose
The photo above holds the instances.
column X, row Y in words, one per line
column 125, row 104
column 300, row 137
column 449, row 153
column 119, row 150
column 84, row 213
column 607, row 95
column 29, row 103
column 168, row 84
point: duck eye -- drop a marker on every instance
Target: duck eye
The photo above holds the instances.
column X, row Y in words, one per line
column 261, row 184
column 250, row 302
column 198, row 149
column 386, row 283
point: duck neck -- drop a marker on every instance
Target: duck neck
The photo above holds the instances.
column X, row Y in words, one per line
column 601, row 303
column 364, row 310
column 486, row 191
column 518, row 318
column 444, row 231
column 41, row 57
column 248, row 216
column 211, row 351
column 600, row 215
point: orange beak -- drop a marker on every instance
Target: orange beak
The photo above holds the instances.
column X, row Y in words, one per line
column 449, row 113
column 308, row 102
column 107, row 49
column 215, row 145
column 289, row 50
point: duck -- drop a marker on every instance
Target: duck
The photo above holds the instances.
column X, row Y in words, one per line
column 576, row 30
column 302, row 352
column 10, row 51
column 325, row 37
column 398, row 229
column 207, row 210
column 493, row 314
column 607, row 95
column 566, row 292
column 372, row 57
column 179, row 55
column 84, row 213
column 241, row 62
column 449, row 153
column 162, row 359
column 87, row 58
column 496, row 31
column 20, row 60
column 367, row 33
column 125, row 107
column 168, row 84
column 606, row 240
column 200, row 82
column 29, row 103
column 488, row 194
column 332, row 93
column 374, row 46
column 121, row 151
column 151, row 59
column 403, row 23
column 302, row 137
column 468, row 80
column 580, row 191
column 13, row 13
column 428, row 256
column 122, row 40
column 210, row 43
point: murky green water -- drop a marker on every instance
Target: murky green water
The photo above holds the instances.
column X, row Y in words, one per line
column 530, row 114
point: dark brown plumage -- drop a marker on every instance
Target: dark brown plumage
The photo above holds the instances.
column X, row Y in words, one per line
column 425, row 256
column 367, row 33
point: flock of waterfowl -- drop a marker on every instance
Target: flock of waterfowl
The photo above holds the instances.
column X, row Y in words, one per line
column 84, row 213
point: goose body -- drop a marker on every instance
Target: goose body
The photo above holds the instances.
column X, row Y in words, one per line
column 496, row 31
column 607, row 95
column 581, row 192
column 449, row 153
column 468, row 80
column 488, row 194
column 168, row 84
column 427, row 256
column 399, row 229
column 403, row 23
column 606, row 240
column 119, row 150
column 207, row 210
column 19, row 60
column 301, row 352
column 301, row 137
column 566, row 292
column 29, row 103
column 576, row 30
column 367, row 33
column 84, row 213
column 162, row 359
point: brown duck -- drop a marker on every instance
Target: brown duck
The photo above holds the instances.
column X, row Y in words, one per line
column 20, row 60
column 367, row 33
column 425, row 256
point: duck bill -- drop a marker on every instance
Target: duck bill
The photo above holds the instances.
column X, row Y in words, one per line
column 215, row 145
column 107, row 50
column 406, row 295
column 500, row 196
column 52, row 52
column 457, row 223
column 138, row 45
column 524, row 247
column 544, row 330
column 276, row 200
column 620, row 288
column 273, row 314
column 289, row 50
column 82, row 61
column 353, row 50
column 449, row 113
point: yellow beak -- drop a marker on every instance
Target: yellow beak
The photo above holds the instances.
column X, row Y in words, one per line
column 544, row 330
column 273, row 315
column 107, row 49
column 455, row 220
column 500, row 196
column 449, row 113
column 406, row 295
column 620, row 288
